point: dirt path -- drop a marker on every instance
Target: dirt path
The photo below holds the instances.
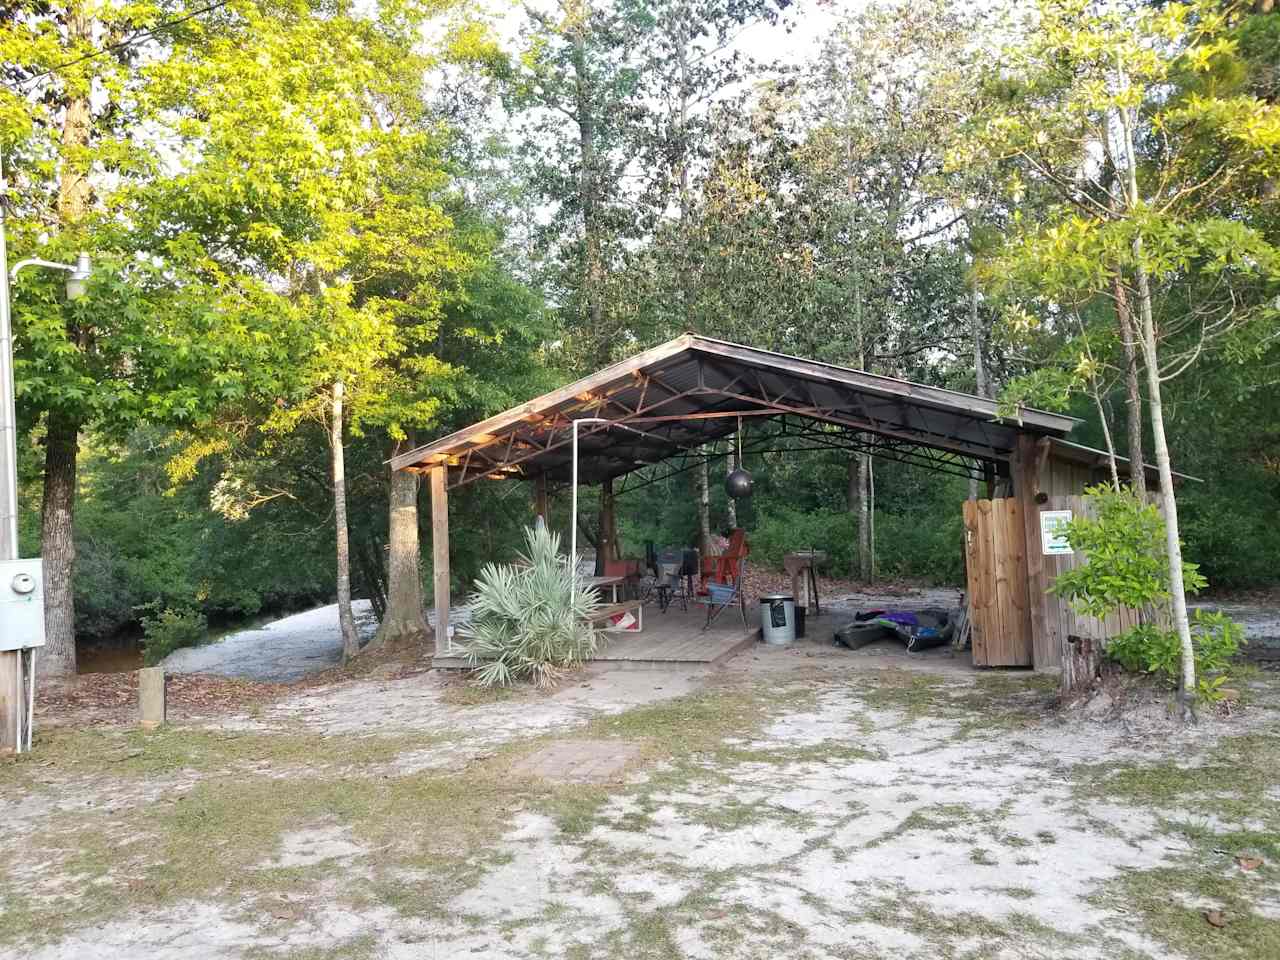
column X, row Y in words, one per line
column 281, row 651
column 801, row 803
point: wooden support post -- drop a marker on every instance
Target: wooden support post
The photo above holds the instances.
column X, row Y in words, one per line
column 13, row 700
column 440, row 556
column 152, row 709
column 1027, row 464
column 540, row 498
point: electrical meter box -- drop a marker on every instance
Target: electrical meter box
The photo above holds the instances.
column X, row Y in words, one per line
column 21, row 604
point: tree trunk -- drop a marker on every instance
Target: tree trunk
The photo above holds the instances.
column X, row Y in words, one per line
column 1172, row 537
column 979, row 363
column 57, row 536
column 403, row 621
column 731, row 511
column 1133, row 394
column 1106, row 435
column 1081, row 667
column 1151, row 360
column 864, row 517
column 861, row 502
column 58, row 546
column 704, row 505
column 588, row 185
column 350, row 640
column 608, row 548
column 871, row 516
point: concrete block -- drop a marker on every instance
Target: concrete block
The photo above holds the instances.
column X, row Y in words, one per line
column 152, row 709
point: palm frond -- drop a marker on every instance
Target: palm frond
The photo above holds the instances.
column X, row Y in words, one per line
column 528, row 622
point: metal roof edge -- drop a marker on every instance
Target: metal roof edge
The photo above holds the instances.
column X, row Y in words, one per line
column 1101, row 458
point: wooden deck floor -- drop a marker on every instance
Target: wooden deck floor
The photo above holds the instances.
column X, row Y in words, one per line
column 672, row 637
column 677, row 637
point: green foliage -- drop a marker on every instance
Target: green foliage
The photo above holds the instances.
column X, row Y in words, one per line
column 906, row 547
column 170, row 630
column 1149, row 648
column 1125, row 546
column 527, row 623
column 1128, row 567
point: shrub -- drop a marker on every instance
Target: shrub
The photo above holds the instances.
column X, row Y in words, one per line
column 171, row 630
column 906, row 546
column 1128, row 567
column 523, row 624
column 1148, row 648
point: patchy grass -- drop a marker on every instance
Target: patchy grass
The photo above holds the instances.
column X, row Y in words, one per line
column 942, row 818
column 144, row 754
column 1172, row 903
column 357, row 948
column 703, row 721
column 1231, row 809
column 424, row 838
column 1231, row 781
column 467, row 694
column 985, row 701
column 214, row 840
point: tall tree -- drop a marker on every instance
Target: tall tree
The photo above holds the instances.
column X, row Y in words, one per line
column 1159, row 176
column 156, row 340
column 341, row 226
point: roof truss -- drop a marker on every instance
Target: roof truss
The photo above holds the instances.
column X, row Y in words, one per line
column 684, row 394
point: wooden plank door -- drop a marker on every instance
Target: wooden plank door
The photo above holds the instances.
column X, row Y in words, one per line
column 996, row 575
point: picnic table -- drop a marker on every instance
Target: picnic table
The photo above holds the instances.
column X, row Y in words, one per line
column 601, row 582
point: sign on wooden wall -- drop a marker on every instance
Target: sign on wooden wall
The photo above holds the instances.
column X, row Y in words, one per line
column 1053, row 539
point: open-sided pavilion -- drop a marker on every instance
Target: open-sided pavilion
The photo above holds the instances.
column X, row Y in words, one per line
column 664, row 407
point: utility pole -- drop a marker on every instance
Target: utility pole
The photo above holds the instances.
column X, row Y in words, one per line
column 17, row 642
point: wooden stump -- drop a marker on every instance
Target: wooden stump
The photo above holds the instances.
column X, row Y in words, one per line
column 152, row 710
column 1081, row 666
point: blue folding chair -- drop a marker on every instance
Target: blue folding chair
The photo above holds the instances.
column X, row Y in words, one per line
column 721, row 596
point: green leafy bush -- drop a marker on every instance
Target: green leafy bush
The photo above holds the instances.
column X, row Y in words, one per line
column 524, row 625
column 1148, row 648
column 170, row 630
column 906, row 546
column 1128, row 567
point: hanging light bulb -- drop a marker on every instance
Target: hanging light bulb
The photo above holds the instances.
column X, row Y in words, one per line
column 738, row 483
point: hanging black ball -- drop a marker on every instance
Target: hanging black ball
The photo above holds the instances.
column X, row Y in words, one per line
column 738, row 484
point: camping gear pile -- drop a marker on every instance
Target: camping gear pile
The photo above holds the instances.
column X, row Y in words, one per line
column 916, row 629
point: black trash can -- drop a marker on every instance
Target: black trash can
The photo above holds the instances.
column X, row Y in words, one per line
column 800, row 612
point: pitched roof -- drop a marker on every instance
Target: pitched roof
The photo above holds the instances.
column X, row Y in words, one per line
column 693, row 389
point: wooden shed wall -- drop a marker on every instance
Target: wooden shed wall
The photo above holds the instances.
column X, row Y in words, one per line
column 1057, row 483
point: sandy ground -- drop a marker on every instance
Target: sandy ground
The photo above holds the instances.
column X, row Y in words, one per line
column 865, row 804
column 310, row 642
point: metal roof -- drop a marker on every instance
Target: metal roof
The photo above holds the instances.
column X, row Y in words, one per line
column 675, row 397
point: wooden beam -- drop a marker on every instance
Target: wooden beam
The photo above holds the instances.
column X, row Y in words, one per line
column 1027, row 462
column 553, row 444
column 878, row 385
column 13, row 707
column 440, row 556
column 565, row 394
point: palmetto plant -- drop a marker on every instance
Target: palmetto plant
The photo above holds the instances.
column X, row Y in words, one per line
column 526, row 621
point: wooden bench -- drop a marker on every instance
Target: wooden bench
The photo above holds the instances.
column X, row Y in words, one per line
column 607, row 613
